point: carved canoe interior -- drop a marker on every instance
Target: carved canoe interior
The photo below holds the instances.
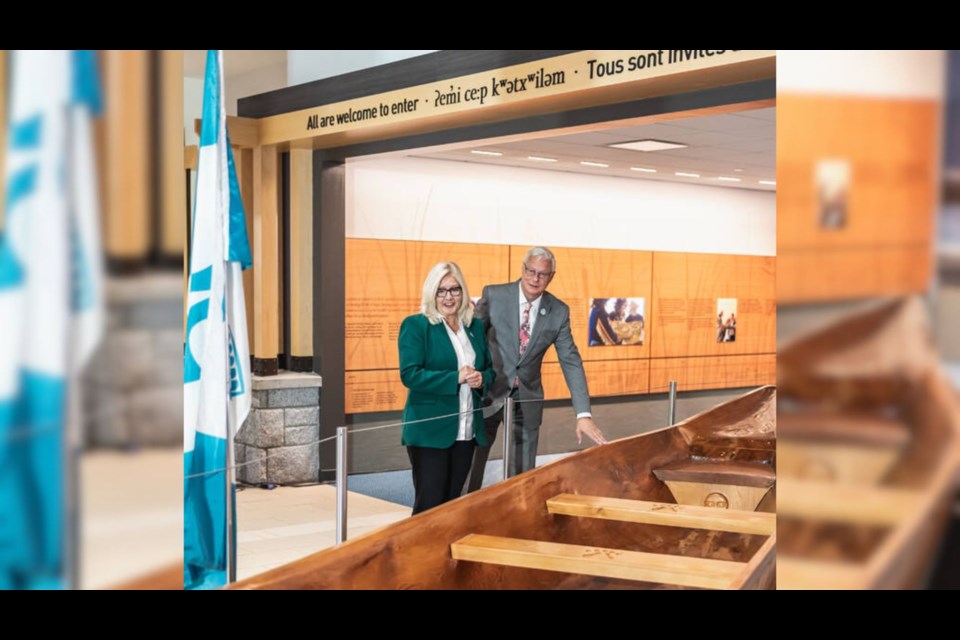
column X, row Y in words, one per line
column 599, row 519
column 867, row 452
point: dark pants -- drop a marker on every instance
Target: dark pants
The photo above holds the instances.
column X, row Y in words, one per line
column 524, row 446
column 438, row 474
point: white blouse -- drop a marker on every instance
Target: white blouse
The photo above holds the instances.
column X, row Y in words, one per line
column 466, row 357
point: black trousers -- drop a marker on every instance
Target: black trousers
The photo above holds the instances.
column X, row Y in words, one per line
column 439, row 474
column 524, row 445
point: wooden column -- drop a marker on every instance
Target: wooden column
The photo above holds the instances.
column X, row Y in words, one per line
column 301, row 260
column 172, row 240
column 329, row 245
column 127, row 194
column 266, row 302
column 190, row 157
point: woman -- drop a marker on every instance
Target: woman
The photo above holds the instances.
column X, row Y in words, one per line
column 445, row 363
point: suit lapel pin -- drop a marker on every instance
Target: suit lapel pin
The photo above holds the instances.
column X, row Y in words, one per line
column 543, row 311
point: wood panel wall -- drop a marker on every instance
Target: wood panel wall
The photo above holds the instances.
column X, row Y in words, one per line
column 891, row 149
column 384, row 280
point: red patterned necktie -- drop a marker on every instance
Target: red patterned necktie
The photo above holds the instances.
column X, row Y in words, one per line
column 525, row 329
column 524, row 337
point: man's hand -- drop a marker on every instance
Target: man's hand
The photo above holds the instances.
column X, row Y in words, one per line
column 587, row 427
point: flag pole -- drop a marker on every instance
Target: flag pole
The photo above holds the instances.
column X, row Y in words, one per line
column 71, row 486
column 231, row 546
column 70, row 438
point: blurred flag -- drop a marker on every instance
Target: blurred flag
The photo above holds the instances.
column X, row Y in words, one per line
column 216, row 369
column 50, row 305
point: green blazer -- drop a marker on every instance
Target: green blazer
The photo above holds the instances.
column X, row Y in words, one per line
column 428, row 368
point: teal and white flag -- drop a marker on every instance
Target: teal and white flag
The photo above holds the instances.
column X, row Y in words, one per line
column 216, row 368
column 50, row 300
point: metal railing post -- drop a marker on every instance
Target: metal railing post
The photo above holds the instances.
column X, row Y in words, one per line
column 341, row 484
column 672, row 414
column 507, row 437
column 231, row 542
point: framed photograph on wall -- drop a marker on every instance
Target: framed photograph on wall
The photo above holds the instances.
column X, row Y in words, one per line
column 726, row 319
column 833, row 188
column 616, row 322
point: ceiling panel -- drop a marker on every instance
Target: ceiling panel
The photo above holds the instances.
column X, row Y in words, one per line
column 718, row 146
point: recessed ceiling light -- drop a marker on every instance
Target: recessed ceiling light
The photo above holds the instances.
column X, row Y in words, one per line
column 643, row 169
column 684, row 174
column 541, row 159
column 587, row 163
column 771, row 183
column 738, row 170
column 648, row 145
column 486, row 153
column 728, row 179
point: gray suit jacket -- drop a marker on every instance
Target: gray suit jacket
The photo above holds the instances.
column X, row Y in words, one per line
column 500, row 310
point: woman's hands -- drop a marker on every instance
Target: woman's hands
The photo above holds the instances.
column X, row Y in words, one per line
column 472, row 377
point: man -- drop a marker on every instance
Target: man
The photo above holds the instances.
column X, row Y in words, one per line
column 522, row 321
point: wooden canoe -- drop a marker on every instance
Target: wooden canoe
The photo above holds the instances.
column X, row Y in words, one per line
column 868, row 453
column 605, row 518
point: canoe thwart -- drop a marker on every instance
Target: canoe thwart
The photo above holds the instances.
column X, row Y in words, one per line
column 847, row 503
column 664, row 513
column 597, row 561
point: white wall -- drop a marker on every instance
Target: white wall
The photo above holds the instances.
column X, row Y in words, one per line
column 421, row 199
column 888, row 73
column 192, row 109
column 252, row 83
column 306, row 65
column 237, row 86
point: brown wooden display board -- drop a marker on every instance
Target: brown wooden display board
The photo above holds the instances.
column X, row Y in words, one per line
column 680, row 294
column 384, row 279
column 878, row 239
column 713, row 372
column 371, row 391
column 605, row 378
column 686, row 288
column 823, row 275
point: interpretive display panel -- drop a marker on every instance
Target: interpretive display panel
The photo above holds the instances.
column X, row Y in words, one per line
column 639, row 318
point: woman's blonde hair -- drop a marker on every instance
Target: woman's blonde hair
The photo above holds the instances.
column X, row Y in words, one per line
column 428, row 303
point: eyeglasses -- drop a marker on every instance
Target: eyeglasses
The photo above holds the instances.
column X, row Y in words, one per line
column 531, row 273
column 456, row 292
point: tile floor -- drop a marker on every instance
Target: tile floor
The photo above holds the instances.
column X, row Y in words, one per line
column 132, row 505
column 285, row 524
column 132, row 515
